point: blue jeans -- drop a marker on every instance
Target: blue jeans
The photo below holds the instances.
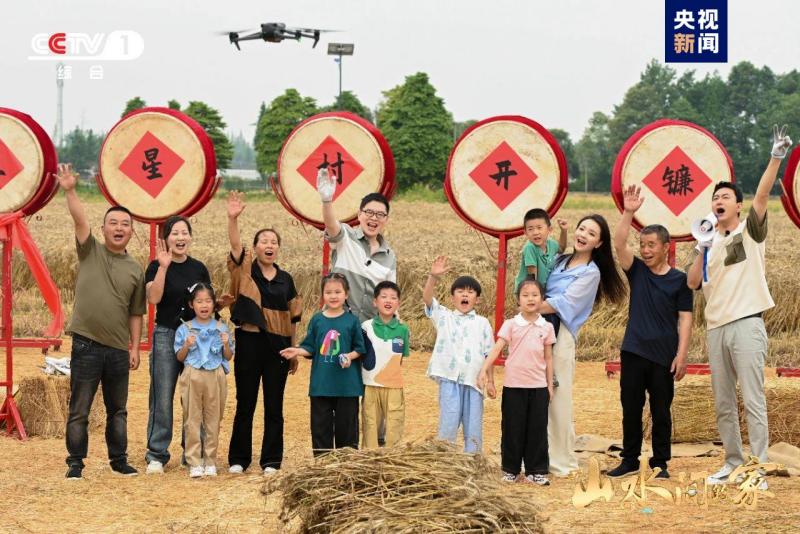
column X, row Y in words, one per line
column 461, row 405
column 93, row 364
column 164, row 371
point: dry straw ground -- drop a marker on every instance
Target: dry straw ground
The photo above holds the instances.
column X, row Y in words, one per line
column 36, row 497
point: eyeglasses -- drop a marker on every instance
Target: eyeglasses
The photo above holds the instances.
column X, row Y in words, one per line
column 380, row 215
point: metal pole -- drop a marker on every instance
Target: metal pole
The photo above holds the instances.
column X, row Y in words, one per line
column 340, row 78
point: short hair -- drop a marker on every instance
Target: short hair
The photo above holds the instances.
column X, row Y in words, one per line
column 536, row 213
column 386, row 284
column 661, row 233
column 335, row 276
column 123, row 209
column 729, row 185
column 529, row 280
column 172, row 221
column 271, row 230
column 466, row 282
column 374, row 197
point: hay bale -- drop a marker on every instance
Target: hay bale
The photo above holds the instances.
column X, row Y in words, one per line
column 412, row 488
column 43, row 403
column 694, row 416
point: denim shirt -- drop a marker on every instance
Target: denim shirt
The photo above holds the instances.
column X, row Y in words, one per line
column 571, row 293
column 206, row 353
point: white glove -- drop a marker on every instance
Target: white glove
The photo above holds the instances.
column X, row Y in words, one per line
column 703, row 245
column 326, row 185
column 780, row 142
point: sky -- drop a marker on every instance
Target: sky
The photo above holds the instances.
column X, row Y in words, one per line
column 556, row 62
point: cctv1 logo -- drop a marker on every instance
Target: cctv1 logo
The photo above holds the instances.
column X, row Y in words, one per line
column 114, row 46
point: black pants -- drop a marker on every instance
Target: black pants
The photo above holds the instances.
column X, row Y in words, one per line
column 93, row 364
column 638, row 375
column 525, row 430
column 334, row 423
column 256, row 362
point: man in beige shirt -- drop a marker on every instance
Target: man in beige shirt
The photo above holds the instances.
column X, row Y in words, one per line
column 730, row 269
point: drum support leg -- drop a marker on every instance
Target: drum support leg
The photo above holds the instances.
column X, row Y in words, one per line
column 9, row 414
column 151, row 310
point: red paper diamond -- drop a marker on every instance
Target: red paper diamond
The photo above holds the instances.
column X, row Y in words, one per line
column 340, row 164
column 677, row 180
column 10, row 166
column 151, row 164
column 503, row 175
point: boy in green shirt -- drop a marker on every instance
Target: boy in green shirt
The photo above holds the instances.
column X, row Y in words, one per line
column 540, row 250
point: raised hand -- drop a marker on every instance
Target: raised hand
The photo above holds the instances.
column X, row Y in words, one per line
column 780, row 142
column 236, row 204
column 562, row 223
column 163, row 255
column 439, row 267
column 225, row 300
column 326, row 185
column 67, row 178
column 632, row 198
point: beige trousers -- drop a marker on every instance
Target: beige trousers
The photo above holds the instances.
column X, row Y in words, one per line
column 380, row 404
column 560, row 424
column 203, row 395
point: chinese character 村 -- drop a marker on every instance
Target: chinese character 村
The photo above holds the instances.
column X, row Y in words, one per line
column 336, row 167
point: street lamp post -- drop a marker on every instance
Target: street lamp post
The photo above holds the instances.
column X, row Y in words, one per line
column 340, row 49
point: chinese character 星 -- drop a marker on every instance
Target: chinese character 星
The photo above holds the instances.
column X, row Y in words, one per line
column 677, row 182
column 708, row 41
column 151, row 165
column 708, row 19
column 504, row 171
column 336, row 166
column 684, row 43
column 683, row 18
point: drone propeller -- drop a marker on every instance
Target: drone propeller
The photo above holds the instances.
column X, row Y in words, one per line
column 235, row 31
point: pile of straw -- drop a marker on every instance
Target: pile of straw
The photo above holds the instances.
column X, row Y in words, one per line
column 694, row 417
column 412, row 488
column 43, row 403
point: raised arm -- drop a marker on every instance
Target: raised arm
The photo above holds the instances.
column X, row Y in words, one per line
column 632, row 201
column 236, row 206
column 562, row 236
column 326, row 187
column 67, row 180
column 155, row 289
column 694, row 274
column 438, row 268
column 780, row 146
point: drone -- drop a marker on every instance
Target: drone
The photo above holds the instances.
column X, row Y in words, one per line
column 274, row 32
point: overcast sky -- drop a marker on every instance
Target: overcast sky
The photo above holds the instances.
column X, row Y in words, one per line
column 553, row 61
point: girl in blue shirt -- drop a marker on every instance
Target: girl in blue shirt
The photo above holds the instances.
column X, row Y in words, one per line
column 205, row 347
column 577, row 281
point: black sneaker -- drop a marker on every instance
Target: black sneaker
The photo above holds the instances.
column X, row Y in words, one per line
column 75, row 472
column 623, row 469
column 124, row 469
column 663, row 473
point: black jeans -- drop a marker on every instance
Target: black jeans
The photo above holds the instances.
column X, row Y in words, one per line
column 256, row 363
column 637, row 376
column 334, row 423
column 92, row 364
column 524, row 428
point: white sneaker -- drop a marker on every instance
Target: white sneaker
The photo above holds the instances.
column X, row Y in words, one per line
column 196, row 471
column 763, row 486
column 269, row 471
column 236, row 469
column 721, row 476
column 155, row 468
column 210, row 471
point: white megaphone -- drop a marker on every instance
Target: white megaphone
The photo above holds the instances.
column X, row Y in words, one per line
column 703, row 229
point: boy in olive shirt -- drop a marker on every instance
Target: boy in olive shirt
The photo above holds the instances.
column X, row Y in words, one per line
column 106, row 316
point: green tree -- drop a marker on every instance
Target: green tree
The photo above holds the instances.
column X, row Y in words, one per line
column 594, row 155
column 275, row 123
column 460, row 127
column 82, row 149
column 174, row 104
column 211, row 121
column 348, row 101
column 565, row 142
column 134, row 104
column 244, row 157
column 419, row 130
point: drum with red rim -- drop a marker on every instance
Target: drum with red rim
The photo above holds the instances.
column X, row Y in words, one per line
column 791, row 187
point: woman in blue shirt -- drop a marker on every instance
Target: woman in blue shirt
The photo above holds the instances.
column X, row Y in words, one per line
column 577, row 281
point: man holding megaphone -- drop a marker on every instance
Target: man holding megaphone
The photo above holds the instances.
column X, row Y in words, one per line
column 728, row 264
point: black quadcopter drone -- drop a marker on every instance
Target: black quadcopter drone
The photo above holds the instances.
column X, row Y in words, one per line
column 274, row 32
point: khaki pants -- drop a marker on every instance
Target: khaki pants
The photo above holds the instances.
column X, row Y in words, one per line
column 560, row 424
column 381, row 403
column 203, row 395
column 737, row 351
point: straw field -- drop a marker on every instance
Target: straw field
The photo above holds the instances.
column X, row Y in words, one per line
column 37, row 498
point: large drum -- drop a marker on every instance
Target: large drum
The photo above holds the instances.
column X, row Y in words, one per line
column 28, row 164
column 791, row 187
column 676, row 163
column 158, row 162
column 502, row 167
column 351, row 148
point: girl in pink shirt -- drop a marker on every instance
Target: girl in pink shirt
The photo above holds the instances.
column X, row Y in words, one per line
column 527, row 386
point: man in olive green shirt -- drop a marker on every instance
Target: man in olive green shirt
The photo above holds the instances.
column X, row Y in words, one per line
column 106, row 316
